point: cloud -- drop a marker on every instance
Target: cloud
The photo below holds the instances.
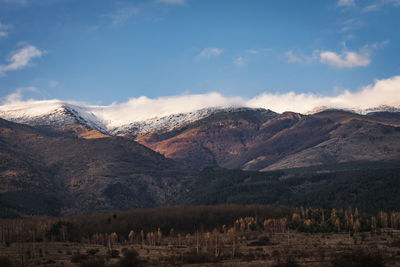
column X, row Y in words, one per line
column 381, row 92
column 53, row 83
column 369, row 8
column 239, row 62
column 17, row 95
column 19, row 2
column 347, row 59
column 173, row 2
column 395, row 3
column 123, row 14
column 5, row 29
column 351, row 24
column 346, row 3
column 21, row 59
column 209, row 52
column 253, row 51
column 292, row 58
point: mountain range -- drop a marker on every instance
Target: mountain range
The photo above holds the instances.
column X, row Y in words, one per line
column 60, row 158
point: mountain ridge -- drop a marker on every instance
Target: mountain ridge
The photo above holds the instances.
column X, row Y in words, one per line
column 57, row 113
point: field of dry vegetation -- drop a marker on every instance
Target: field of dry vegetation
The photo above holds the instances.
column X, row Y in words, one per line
column 260, row 236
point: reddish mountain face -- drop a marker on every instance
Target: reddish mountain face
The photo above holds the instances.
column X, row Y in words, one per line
column 216, row 140
column 255, row 139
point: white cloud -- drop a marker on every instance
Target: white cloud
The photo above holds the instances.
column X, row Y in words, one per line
column 209, row 52
column 173, row 2
column 5, row 29
column 346, row 3
column 347, row 59
column 381, row 92
column 21, row 59
column 17, row 95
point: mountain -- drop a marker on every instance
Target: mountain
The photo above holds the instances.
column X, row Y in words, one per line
column 51, row 113
column 47, row 172
column 67, row 161
column 257, row 139
column 234, row 138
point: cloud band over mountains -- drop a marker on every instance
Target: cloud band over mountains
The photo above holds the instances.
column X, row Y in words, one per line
column 381, row 92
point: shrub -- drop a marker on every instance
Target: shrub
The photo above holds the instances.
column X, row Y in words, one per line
column 114, row 253
column 130, row 258
column 262, row 241
column 92, row 251
column 290, row 262
column 5, row 262
column 93, row 262
column 76, row 258
column 358, row 258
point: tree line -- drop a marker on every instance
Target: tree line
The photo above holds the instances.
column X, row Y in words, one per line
column 199, row 226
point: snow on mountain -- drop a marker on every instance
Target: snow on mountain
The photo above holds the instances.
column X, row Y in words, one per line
column 361, row 111
column 103, row 118
column 50, row 112
column 114, row 120
column 382, row 109
column 163, row 123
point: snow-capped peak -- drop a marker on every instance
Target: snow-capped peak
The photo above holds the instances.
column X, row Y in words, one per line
column 105, row 119
column 50, row 112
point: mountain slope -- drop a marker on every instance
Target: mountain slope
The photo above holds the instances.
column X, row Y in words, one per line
column 370, row 187
column 216, row 139
column 75, row 175
column 356, row 140
column 254, row 139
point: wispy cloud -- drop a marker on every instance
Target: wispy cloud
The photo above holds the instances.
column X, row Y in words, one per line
column 53, row 83
column 346, row 3
column 291, row 57
column 209, row 52
column 5, row 29
column 391, row 2
column 347, row 59
column 239, row 62
column 21, row 59
column 351, row 24
column 253, row 51
column 369, row 8
column 173, row 2
column 17, row 95
column 124, row 14
column 18, row 2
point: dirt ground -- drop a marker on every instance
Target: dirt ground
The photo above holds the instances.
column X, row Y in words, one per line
column 262, row 249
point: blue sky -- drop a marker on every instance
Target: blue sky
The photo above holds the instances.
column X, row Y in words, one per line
column 104, row 51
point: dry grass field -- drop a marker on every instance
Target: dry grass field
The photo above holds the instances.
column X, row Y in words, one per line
column 257, row 248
